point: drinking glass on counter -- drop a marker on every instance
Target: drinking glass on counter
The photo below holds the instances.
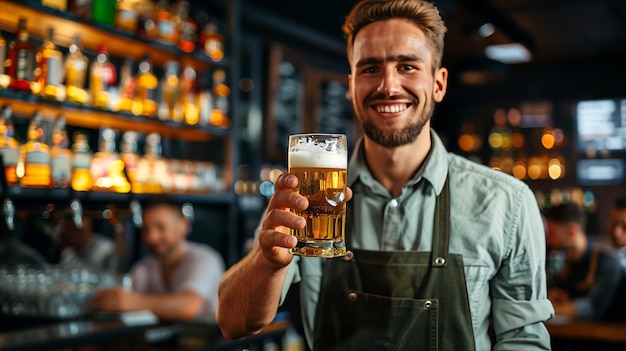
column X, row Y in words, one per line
column 55, row 291
column 320, row 161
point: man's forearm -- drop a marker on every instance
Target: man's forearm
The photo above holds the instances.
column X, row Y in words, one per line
column 176, row 306
column 249, row 294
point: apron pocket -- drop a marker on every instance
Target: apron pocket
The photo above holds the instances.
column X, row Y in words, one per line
column 376, row 322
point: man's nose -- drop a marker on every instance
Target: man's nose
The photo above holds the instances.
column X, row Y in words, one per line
column 390, row 84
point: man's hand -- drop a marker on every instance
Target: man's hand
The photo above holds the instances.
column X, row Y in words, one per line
column 274, row 238
column 116, row 300
column 556, row 295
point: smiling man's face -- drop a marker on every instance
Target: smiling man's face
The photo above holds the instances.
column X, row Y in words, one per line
column 393, row 85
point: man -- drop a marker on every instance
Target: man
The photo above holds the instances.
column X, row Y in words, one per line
column 617, row 228
column 590, row 284
column 178, row 280
column 406, row 286
column 81, row 246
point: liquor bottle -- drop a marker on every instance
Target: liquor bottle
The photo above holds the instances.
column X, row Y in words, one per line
column 103, row 11
column 47, row 75
column 127, row 15
column 102, row 78
column 81, row 8
column 187, row 27
column 107, row 168
column 145, row 102
column 76, row 65
column 152, row 172
column 3, row 57
column 130, row 157
column 211, row 42
column 60, row 5
column 167, row 29
column 205, row 97
column 169, row 104
column 21, row 59
column 126, row 89
column 9, row 147
column 81, row 163
column 147, row 27
column 60, row 156
column 221, row 91
column 36, row 156
column 188, row 96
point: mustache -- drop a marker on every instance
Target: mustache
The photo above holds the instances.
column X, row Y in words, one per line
column 380, row 97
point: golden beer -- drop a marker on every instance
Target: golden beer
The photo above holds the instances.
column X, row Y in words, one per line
column 320, row 167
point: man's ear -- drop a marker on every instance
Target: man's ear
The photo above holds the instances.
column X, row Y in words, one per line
column 440, row 84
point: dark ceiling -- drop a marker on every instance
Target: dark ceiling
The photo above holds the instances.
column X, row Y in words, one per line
column 556, row 31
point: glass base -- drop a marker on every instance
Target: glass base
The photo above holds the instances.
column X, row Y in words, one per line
column 322, row 248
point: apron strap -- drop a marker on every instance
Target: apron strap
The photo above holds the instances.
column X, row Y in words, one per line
column 442, row 227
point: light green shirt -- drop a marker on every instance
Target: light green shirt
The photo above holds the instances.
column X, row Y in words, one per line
column 495, row 225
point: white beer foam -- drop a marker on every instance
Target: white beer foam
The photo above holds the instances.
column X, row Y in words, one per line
column 305, row 158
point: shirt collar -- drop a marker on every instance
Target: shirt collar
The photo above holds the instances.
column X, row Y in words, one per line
column 434, row 169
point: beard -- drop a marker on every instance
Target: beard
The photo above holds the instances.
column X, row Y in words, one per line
column 162, row 252
column 406, row 135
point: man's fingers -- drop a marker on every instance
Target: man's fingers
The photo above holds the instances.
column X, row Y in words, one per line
column 270, row 238
column 282, row 218
column 286, row 181
column 288, row 199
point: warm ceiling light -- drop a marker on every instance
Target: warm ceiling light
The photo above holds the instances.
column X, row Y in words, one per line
column 508, row 53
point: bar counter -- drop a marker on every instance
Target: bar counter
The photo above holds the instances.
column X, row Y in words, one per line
column 113, row 334
column 576, row 334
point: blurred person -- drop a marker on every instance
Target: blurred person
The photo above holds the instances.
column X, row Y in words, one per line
column 591, row 282
column 442, row 247
column 81, row 246
column 617, row 227
column 178, row 280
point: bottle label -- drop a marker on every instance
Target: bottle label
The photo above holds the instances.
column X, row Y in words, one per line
column 165, row 30
column 3, row 56
column 61, row 168
column 100, row 168
column 37, row 157
column 53, row 76
column 82, row 160
column 9, row 156
column 127, row 19
column 24, row 69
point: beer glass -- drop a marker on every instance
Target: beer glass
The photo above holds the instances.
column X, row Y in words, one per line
column 320, row 162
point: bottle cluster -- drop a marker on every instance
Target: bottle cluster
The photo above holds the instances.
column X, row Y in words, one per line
column 169, row 22
column 134, row 89
column 45, row 161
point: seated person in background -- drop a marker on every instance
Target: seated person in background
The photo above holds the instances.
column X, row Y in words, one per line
column 178, row 280
column 591, row 282
column 82, row 247
column 617, row 227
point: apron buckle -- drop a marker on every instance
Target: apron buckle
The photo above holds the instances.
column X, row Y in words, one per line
column 440, row 261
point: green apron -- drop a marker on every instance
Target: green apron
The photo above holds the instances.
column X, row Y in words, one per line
column 396, row 300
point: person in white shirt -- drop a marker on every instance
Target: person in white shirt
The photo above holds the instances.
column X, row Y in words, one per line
column 178, row 280
column 81, row 246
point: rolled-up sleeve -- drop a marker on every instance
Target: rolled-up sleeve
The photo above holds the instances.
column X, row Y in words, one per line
column 518, row 290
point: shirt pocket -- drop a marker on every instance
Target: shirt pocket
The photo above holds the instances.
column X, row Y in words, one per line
column 477, row 282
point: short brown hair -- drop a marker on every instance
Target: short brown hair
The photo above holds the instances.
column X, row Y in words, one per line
column 567, row 213
column 423, row 13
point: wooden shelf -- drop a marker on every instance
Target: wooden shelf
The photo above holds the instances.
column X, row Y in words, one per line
column 24, row 104
column 40, row 197
column 120, row 43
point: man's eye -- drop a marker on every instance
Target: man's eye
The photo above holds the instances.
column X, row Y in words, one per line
column 370, row 70
column 407, row 67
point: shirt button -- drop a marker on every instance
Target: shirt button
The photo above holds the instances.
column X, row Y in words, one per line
column 393, row 203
